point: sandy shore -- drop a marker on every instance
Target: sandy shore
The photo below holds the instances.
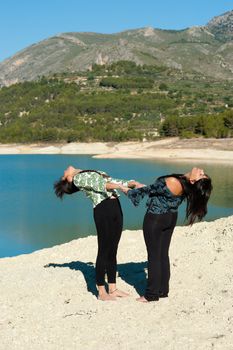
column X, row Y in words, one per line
column 48, row 298
column 216, row 150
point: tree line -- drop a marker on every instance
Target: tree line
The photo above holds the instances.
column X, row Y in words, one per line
column 217, row 126
column 116, row 102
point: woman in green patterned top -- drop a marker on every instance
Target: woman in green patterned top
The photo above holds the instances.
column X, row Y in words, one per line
column 102, row 191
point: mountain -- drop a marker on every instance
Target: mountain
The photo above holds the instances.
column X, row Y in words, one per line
column 206, row 50
column 222, row 26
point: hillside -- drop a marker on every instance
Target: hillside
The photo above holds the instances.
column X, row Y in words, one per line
column 205, row 50
column 116, row 102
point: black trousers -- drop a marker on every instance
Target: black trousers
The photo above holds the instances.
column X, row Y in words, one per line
column 157, row 230
column 109, row 222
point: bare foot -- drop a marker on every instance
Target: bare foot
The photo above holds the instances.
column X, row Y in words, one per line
column 119, row 293
column 142, row 300
column 106, row 297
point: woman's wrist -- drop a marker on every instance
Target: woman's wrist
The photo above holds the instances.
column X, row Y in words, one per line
column 124, row 189
column 134, row 184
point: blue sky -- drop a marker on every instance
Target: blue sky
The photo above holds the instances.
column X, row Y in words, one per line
column 24, row 22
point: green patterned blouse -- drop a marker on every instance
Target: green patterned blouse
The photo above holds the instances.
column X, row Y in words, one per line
column 93, row 185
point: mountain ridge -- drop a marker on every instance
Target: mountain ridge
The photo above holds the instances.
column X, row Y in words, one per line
column 206, row 50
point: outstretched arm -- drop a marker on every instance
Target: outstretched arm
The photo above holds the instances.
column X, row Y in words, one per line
column 94, row 181
column 135, row 184
column 125, row 183
column 114, row 186
column 137, row 194
column 86, row 182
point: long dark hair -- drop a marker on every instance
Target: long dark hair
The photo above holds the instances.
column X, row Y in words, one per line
column 197, row 196
column 62, row 187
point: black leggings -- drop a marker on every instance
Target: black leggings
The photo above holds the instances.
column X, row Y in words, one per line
column 109, row 222
column 157, row 230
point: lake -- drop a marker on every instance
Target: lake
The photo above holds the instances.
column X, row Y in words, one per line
column 32, row 217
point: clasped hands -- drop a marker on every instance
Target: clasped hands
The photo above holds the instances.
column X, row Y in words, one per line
column 131, row 185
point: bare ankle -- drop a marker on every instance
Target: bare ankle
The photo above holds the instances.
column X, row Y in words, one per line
column 112, row 287
column 106, row 297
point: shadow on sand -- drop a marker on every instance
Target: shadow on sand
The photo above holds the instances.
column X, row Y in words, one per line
column 132, row 273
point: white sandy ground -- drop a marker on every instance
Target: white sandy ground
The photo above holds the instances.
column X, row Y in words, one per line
column 52, row 308
column 172, row 149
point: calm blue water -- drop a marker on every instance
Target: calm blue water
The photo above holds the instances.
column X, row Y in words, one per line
column 33, row 218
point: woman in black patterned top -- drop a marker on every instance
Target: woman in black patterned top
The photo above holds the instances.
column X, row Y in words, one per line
column 164, row 197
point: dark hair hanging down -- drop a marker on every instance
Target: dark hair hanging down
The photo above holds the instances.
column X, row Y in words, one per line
column 62, row 187
column 197, row 196
column 197, row 200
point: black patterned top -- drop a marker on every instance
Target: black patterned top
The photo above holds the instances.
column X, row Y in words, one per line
column 161, row 200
